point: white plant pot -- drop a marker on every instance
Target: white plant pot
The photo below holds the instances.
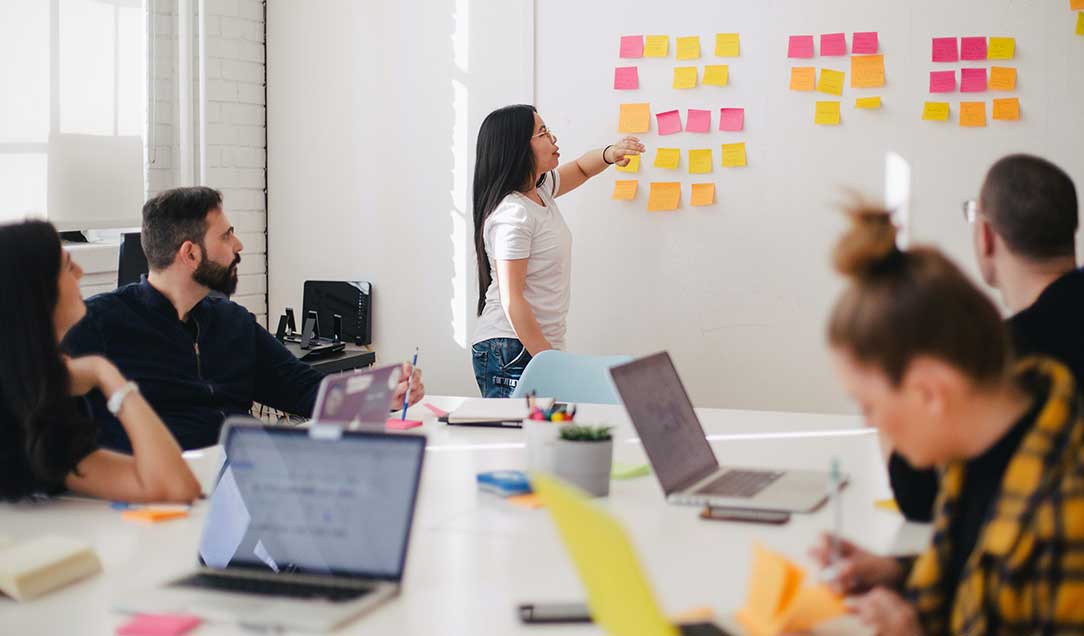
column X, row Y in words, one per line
column 542, row 438
column 585, row 464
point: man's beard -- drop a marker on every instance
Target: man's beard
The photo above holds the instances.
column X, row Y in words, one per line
column 219, row 278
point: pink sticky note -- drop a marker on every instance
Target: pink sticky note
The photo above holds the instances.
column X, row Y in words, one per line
column 942, row 81
column 698, row 121
column 732, row 119
column 632, row 46
column 396, row 424
column 436, row 411
column 973, row 80
column 626, row 78
column 865, row 43
column 800, row 46
column 159, row 625
column 973, row 48
column 669, row 122
column 944, row 50
column 833, row 44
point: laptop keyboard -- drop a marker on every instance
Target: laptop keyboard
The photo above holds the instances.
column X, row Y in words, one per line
column 740, row 483
column 265, row 587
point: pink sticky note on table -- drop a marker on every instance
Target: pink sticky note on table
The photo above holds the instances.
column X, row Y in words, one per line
column 632, row 46
column 698, row 120
column 396, row 424
column 626, row 78
column 669, row 122
column 833, row 44
column 972, row 80
column 159, row 625
column 865, row 43
column 732, row 119
column 945, row 50
column 942, row 81
column 800, row 46
column 434, row 410
column 973, row 48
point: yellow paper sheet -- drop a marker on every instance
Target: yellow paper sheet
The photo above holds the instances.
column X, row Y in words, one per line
column 1007, row 109
column 868, row 102
column 831, row 82
column 973, row 114
column 935, row 111
column 727, row 45
column 700, row 161
column 688, row 47
column 716, row 75
column 734, row 155
column 667, row 157
column 684, row 77
column 625, row 190
column 1080, row 23
column 867, row 71
column 1001, row 49
column 887, row 504
column 656, row 46
column 632, row 167
column 826, row 114
column 663, row 196
column 634, row 118
column 803, row 78
column 703, row 194
column 1002, row 78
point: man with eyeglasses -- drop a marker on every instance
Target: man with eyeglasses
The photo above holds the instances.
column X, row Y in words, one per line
column 1023, row 228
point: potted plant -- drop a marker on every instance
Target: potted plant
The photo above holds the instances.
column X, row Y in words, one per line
column 583, row 456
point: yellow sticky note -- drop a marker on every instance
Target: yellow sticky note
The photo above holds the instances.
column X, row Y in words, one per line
column 1080, row 23
column 803, row 78
column 667, row 157
column 868, row 102
column 634, row 118
column 734, row 155
column 700, row 161
column 1002, row 78
column 664, row 195
column 1001, row 49
column 887, row 504
column 827, row 114
column 656, row 46
column 684, row 77
column 716, row 75
column 688, row 48
column 703, row 194
column 625, row 190
column 867, row 71
column 831, row 82
column 935, row 111
column 727, row 45
column 633, row 165
column 1007, row 109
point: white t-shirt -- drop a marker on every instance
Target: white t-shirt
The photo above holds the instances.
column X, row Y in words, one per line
column 520, row 228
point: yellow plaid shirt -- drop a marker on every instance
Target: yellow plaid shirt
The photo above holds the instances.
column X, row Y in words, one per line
column 1026, row 573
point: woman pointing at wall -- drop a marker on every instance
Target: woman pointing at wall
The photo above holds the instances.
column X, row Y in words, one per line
column 523, row 246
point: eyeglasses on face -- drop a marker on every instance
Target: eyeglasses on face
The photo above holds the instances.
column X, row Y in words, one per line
column 547, row 132
column 970, row 209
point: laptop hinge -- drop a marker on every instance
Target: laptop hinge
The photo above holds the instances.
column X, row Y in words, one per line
column 262, row 575
column 695, row 481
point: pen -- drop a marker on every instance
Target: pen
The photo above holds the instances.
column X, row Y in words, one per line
column 837, row 511
column 406, row 396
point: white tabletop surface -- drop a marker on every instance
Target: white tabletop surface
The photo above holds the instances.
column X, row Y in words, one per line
column 473, row 557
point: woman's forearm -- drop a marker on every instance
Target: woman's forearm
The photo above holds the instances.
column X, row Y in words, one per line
column 526, row 326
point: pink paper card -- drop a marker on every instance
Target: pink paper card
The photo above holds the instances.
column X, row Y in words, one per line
column 973, row 80
column 732, row 119
column 396, row 424
column 942, row 81
column 973, row 48
column 632, row 46
column 865, row 43
column 626, row 78
column 698, row 121
column 434, row 410
column 800, row 46
column 669, row 122
column 159, row 625
column 945, row 50
column 833, row 44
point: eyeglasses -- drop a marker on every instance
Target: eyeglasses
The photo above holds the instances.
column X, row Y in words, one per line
column 547, row 132
column 970, row 209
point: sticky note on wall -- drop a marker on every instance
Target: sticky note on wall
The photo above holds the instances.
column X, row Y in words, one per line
column 700, row 161
column 867, row 71
column 669, row 122
column 826, row 114
column 703, row 194
column 1080, row 23
column 688, row 47
column 1002, row 78
column 831, row 82
column 734, row 155
column 632, row 166
column 973, row 114
column 626, row 78
column 667, row 158
column 685, row 76
column 945, row 50
column 634, row 118
column 716, row 75
column 935, row 111
column 727, row 45
column 865, row 43
column 1076, row 5
column 625, row 190
column 973, row 48
column 870, row 103
column 803, row 78
column 1007, row 109
column 632, row 46
column 663, row 196
column 657, row 46
column 731, row 119
column 973, row 80
column 698, row 121
column 942, row 81
column 800, row 46
column 833, row 44
column 1002, row 49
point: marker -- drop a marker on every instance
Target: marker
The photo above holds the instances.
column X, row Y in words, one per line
column 406, row 396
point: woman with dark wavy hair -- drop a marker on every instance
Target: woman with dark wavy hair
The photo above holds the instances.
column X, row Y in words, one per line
column 47, row 439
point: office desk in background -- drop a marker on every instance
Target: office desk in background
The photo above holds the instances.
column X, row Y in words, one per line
column 350, row 358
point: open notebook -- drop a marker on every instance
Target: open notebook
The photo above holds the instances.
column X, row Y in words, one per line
column 494, row 411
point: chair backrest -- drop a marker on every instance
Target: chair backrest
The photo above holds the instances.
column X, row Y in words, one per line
column 132, row 262
column 570, row 377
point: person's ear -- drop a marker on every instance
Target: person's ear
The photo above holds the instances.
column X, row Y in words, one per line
column 987, row 238
column 190, row 255
column 930, row 384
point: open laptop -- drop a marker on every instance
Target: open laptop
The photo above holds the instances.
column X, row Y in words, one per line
column 307, row 529
column 357, row 398
column 688, row 471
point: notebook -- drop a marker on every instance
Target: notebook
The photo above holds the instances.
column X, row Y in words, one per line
column 29, row 569
column 495, row 411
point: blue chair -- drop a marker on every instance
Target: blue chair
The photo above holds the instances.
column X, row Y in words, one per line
column 570, row 377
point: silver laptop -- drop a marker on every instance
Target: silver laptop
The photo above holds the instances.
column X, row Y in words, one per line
column 357, row 398
column 681, row 457
column 307, row 529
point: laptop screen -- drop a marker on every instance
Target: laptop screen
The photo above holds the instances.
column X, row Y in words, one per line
column 290, row 502
column 664, row 418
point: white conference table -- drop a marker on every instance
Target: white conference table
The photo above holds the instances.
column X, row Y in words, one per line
column 474, row 557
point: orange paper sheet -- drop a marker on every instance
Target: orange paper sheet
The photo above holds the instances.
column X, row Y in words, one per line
column 703, row 194
column 867, row 71
column 777, row 601
column 625, row 190
column 1002, row 78
column 1007, row 109
column 634, row 118
column 803, row 78
column 154, row 515
column 663, row 196
column 973, row 114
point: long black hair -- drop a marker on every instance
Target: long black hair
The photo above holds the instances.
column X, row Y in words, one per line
column 504, row 163
column 34, row 381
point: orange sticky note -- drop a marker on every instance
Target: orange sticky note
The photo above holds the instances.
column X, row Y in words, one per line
column 868, row 102
column 867, row 71
column 1001, row 49
column 831, row 82
column 656, row 45
column 667, row 158
column 700, row 161
column 1002, row 78
column 685, row 77
column 625, row 190
column 811, row 606
column 935, row 111
column 1076, row 5
column 531, row 500
column 716, row 75
column 727, row 45
column 1007, row 109
column 664, row 195
column 634, row 118
column 826, row 114
column 973, row 114
column 703, row 194
column 777, row 602
column 803, row 78
column 734, row 155
column 632, row 167
column 154, row 515
column 688, row 48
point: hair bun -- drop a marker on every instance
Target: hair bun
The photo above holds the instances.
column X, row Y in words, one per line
column 868, row 246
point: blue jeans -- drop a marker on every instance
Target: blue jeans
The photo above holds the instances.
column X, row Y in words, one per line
column 498, row 364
